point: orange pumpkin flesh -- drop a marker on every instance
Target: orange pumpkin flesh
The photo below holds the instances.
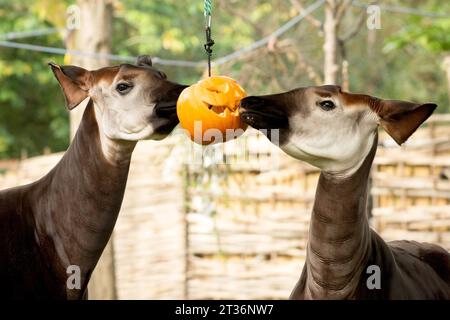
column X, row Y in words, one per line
column 213, row 103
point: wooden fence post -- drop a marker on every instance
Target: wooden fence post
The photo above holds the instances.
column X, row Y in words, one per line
column 94, row 35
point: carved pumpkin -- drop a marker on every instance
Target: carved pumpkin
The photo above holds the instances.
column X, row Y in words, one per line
column 211, row 103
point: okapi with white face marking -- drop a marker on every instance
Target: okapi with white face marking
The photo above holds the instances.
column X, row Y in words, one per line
column 67, row 217
column 337, row 132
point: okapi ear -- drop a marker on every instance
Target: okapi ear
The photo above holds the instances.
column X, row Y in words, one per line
column 144, row 61
column 400, row 118
column 75, row 83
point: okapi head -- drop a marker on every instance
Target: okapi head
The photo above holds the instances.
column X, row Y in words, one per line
column 329, row 128
column 132, row 102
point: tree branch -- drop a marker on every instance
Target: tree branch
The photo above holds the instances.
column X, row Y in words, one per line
column 303, row 65
column 313, row 21
column 341, row 9
column 355, row 30
column 224, row 5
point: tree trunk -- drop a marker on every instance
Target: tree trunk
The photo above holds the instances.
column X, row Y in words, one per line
column 94, row 35
column 102, row 285
column 447, row 69
column 371, row 67
column 330, row 67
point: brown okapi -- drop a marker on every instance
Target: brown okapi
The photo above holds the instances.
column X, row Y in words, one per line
column 66, row 218
column 337, row 132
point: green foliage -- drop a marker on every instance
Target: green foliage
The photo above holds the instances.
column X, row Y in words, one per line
column 432, row 34
column 422, row 43
column 400, row 61
column 32, row 113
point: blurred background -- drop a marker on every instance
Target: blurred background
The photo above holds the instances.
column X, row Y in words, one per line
column 236, row 228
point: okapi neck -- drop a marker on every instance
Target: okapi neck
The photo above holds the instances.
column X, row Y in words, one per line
column 339, row 235
column 337, row 187
column 86, row 195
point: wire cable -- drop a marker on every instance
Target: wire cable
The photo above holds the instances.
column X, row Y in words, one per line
column 28, row 34
column 193, row 64
column 156, row 60
column 404, row 10
column 280, row 31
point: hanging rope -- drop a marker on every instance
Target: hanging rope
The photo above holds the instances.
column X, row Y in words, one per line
column 209, row 41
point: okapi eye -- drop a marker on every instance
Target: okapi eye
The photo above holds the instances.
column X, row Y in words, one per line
column 327, row 105
column 123, row 87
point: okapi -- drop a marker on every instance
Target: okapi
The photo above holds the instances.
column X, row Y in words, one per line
column 337, row 132
column 66, row 218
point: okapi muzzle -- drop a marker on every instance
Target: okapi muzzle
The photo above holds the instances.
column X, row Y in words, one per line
column 166, row 107
column 268, row 113
column 165, row 93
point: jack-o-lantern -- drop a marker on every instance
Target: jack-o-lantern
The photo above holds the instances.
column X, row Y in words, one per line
column 208, row 110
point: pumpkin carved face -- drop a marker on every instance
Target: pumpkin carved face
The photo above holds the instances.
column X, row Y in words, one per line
column 211, row 103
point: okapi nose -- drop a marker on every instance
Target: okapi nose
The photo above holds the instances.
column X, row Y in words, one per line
column 181, row 87
column 251, row 101
column 176, row 90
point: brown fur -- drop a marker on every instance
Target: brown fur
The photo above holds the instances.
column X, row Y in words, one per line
column 67, row 217
column 79, row 201
column 409, row 270
column 341, row 245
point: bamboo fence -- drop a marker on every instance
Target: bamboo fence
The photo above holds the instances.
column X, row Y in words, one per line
column 237, row 229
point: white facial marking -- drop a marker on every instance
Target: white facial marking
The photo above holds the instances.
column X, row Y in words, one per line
column 337, row 140
column 128, row 116
column 124, row 119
